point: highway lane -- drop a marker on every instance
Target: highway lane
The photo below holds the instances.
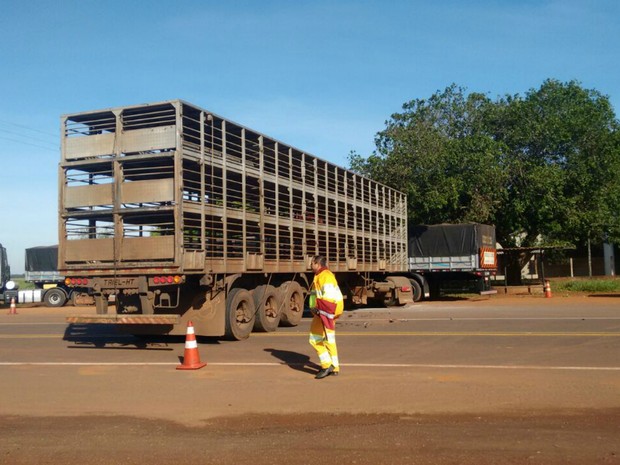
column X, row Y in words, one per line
column 502, row 373
column 504, row 332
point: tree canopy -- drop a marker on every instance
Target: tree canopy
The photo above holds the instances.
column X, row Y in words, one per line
column 543, row 165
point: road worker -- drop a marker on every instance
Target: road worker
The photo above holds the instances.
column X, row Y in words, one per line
column 329, row 306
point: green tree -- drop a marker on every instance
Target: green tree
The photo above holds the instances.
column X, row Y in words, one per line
column 542, row 166
column 440, row 154
column 562, row 158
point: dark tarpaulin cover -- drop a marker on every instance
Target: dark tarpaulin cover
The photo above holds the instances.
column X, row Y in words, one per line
column 449, row 240
column 44, row 258
column 5, row 274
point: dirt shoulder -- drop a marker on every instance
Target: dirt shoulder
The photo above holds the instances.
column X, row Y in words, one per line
column 533, row 296
column 585, row 437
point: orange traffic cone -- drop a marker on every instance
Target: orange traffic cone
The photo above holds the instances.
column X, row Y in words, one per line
column 12, row 309
column 547, row 289
column 191, row 358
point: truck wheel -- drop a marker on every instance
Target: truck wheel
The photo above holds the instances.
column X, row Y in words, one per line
column 417, row 290
column 240, row 314
column 292, row 295
column 55, row 298
column 268, row 308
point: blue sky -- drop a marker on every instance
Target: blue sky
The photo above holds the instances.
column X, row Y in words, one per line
column 323, row 76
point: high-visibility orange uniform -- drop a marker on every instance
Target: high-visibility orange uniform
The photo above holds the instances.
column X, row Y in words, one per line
column 329, row 306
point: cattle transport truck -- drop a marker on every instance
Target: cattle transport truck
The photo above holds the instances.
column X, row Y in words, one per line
column 183, row 215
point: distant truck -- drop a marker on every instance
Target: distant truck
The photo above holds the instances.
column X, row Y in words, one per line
column 41, row 267
column 451, row 255
column 8, row 288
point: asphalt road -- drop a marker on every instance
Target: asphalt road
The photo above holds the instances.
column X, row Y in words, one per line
column 489, row 380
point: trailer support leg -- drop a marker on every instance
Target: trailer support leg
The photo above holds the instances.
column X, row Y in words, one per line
column 101, row 303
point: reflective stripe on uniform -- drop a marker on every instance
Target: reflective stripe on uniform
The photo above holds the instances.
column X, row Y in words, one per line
column 326, row 314
column 331, row 292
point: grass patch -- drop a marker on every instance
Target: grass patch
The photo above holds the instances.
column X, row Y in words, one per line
column 587, row 285
column 23, row 285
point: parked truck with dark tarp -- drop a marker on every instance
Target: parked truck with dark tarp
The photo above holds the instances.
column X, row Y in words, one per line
column 41, row 269
column 184, row 215
column 449, row 255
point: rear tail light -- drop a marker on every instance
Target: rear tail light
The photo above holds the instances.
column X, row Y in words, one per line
column 167, row 279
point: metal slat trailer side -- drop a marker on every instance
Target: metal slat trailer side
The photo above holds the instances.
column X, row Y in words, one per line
column 173, row 209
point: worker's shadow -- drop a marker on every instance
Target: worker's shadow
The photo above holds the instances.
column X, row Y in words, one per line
column 295, row 360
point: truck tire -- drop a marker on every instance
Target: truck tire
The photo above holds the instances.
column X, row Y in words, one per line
column 268, row 308
column 293, row 297
column 240, row 314
column 417, row 290
column 54, row 297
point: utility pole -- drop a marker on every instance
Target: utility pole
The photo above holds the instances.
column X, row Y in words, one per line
column 589, row 259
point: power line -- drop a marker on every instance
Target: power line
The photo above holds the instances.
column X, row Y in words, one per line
column 28, row 128
column 28, row 143
column 30, row 138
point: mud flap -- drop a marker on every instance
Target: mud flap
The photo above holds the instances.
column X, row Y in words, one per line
column 403, row 292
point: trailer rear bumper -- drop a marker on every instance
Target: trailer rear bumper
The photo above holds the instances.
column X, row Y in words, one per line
column 125, row 319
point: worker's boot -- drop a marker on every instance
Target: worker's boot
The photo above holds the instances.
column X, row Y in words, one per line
column 325, row 372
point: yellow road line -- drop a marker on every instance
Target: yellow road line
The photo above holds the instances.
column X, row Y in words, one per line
column 346, row 334
column 452, row 334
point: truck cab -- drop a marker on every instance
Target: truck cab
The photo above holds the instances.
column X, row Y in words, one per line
column 8, row 288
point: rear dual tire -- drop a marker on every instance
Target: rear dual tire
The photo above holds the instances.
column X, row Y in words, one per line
column 293, row 296
column 263, row 309
column 268, row 308
column 240, row 314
